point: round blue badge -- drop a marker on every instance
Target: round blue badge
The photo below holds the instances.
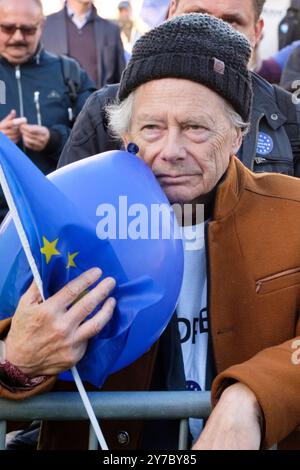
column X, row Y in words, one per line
column 192, row 386
column 265, row 144
column 284, row 27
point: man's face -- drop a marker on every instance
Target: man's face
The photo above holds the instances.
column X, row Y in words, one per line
column 124, row 14
column 184, row 136
column 240, row 15
column 82, row 2
column 18, row 45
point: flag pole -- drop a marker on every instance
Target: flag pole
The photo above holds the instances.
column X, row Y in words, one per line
column 89, row 409
column 36, row 275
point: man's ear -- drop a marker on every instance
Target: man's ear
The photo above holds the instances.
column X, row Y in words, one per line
column 172, row 8
column 259, row 31
column 42, row 24
column 125, row 140
column 237, row 141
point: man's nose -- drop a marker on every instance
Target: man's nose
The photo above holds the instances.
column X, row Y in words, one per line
column 17, row 36
column 174, row 147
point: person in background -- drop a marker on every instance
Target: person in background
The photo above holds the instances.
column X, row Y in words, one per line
column 289, row 26
column 130, row 30
column 79, row 32
column 291, row 73
column 38, row 112
column 154, row 12
column 271, row 69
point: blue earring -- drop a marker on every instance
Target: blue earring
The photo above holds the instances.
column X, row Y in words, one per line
column 133, row 148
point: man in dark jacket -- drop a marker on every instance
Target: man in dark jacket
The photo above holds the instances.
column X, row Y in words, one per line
column 273, row 144
column 77, row 31
column 38, row 111
column 291, row 73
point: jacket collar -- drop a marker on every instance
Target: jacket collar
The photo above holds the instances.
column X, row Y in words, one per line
column 35, row 59
column 264, row 103
column 229, row 189
column 91, row 14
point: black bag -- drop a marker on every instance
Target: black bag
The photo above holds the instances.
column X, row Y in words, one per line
column 72, row 77
column 289, row 27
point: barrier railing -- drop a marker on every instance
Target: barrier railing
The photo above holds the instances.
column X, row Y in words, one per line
column 66, row 406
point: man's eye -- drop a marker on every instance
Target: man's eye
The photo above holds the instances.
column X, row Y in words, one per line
column 150, row 127
column 195, row 127
column 234, row 23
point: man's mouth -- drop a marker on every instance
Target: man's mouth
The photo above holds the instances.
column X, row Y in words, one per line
column 17, row 45
column 173, row 179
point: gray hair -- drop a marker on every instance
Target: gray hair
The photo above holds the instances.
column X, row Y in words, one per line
column 119, row 116
column 236, row 120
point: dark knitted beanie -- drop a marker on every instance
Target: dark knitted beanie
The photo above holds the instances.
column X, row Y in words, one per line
column 196, row 47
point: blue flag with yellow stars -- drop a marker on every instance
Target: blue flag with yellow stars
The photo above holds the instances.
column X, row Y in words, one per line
column 63, row 244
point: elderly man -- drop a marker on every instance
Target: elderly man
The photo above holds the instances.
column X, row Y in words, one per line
column 185, row 100
column 38, row 112
column 273, row 141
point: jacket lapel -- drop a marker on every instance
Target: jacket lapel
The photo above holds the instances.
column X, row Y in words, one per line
column 59, row 26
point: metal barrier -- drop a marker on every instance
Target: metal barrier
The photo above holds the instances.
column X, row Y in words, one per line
column 65, row 406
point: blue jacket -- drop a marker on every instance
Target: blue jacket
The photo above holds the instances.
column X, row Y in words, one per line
column 42, row 73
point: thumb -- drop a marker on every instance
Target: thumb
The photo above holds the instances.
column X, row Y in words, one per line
column 32, row 295
column 11, row 115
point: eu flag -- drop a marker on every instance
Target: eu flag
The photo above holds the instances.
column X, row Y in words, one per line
column 61, row 243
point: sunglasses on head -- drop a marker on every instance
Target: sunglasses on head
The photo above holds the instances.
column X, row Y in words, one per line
column 26, row 30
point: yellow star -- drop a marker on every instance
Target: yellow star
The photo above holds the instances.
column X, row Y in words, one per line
column 49, row 249
column 71, row 263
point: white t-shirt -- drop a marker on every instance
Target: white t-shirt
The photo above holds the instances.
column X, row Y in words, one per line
column 192, row 314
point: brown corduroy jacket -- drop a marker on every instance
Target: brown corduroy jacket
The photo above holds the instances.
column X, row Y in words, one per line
column 253, row 243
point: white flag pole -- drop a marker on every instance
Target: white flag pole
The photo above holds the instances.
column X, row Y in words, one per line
column 21, row 232
column 36, row 275
column 89, row 409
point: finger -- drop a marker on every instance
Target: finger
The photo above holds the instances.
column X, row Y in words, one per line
column 32, row 130
column 12, row 134
column 32, row 295
column 30, row 144
column 19, row 121
column 91, row 300
column 10, row 116
column 92, row 327
column 70, row 292
column 26, row 129
column 31, row 141
column 8, row 125
column 26, row 132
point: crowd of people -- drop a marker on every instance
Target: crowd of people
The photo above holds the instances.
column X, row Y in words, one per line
column 214, row 133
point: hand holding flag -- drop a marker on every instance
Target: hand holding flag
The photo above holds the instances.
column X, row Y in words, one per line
column 56, row 222
column 62, row 336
